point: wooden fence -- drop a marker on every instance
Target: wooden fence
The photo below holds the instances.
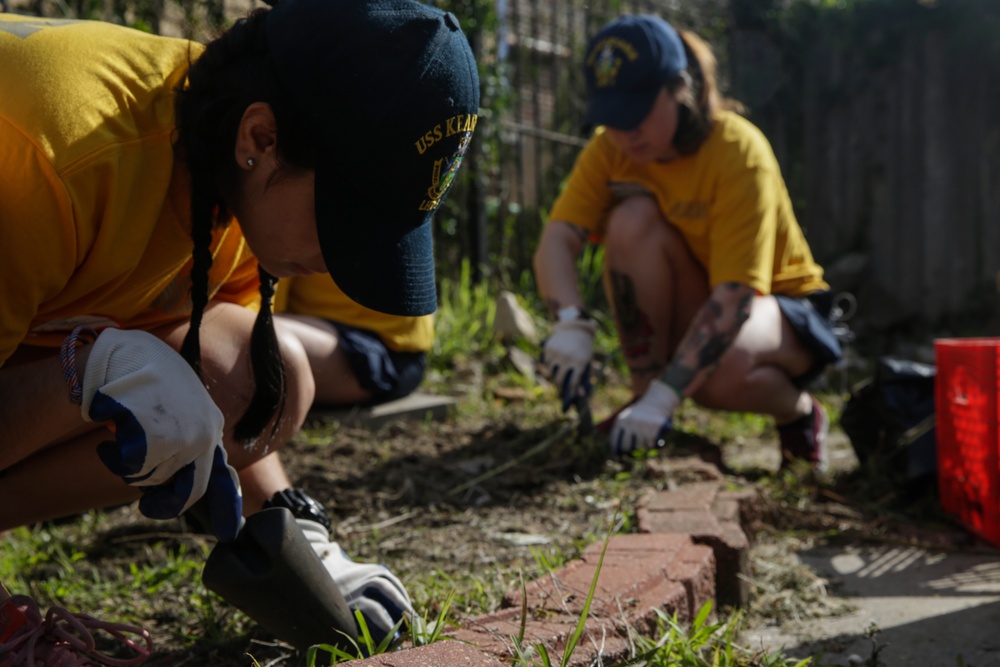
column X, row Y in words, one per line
column 889, row 140
column 902, row 162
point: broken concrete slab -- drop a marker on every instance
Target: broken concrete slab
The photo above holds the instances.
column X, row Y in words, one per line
column 415, row 407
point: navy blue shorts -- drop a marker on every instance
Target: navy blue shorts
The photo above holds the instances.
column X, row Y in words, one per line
column 810, row 318
column 387, row 374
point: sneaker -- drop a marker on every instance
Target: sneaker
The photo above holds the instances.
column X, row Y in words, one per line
column 805, row 438
column 62, row 638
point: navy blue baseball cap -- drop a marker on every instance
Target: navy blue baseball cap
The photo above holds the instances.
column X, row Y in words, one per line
column 627, row 64
column 392, row 90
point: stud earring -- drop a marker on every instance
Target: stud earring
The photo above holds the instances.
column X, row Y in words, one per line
column 251, row 162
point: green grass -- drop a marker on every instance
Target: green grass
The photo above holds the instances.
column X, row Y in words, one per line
column 703, row 643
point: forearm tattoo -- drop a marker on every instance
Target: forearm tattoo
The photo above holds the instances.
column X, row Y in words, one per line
column 711, row 333
column 634, row 326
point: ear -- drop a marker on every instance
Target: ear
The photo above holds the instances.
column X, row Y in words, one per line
column 256, row 136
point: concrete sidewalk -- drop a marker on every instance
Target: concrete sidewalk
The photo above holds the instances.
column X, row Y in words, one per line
column 932, row 609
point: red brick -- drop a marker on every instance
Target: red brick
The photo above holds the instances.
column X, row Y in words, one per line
column 683, row 522
column 696, row 567
column 492, row 633
column 660, row 512
column 748, row 501
column 495, row 634
column 438, row 654
column 697, row 496
column 637, row 544
column 726, row 509
column 678, row 558
column 670, row 597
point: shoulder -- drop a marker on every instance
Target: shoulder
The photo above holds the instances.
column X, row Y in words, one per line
column 740, row 140
column 600, row 143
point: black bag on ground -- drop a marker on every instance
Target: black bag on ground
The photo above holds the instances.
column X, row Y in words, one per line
column 890, row 421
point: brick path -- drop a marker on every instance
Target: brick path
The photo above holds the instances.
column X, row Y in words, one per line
column 692, row 546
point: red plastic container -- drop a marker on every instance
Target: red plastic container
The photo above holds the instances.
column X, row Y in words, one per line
column 967, row 408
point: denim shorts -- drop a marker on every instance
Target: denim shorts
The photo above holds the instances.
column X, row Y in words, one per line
column 810, row 318
column 387, row 374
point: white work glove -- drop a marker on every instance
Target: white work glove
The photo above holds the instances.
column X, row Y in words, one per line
column 168, row 431
column 566, row 356
column 644, row 423
column 371, row 589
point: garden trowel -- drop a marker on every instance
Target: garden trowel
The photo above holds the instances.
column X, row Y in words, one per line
column 271, row 573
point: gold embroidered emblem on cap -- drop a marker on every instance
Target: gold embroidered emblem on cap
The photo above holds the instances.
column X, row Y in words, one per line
column 463, row 122
column 606, row 63
column 443, row 173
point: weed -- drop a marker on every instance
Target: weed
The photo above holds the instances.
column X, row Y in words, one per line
column 702, row 644
column 420, row 631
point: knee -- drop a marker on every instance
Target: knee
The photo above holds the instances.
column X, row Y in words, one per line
column 300, row 388
column 636, row 225
column 287, row 420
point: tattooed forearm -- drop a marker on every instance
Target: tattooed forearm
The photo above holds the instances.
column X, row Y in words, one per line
column 678, row 376
column 711, row 333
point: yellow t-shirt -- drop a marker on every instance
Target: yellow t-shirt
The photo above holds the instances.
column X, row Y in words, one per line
column 728, row 200
column 318, row 295
column 94, row 212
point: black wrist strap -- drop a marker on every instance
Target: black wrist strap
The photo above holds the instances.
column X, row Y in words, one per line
column 301, row 505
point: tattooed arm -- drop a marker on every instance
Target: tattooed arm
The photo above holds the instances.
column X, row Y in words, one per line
column 555, row 264
column 712, row 331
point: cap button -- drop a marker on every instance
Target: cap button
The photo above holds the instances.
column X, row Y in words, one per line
column 452, row 21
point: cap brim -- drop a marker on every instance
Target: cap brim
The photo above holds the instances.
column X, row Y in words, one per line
column 619, row 110
column 375, row 257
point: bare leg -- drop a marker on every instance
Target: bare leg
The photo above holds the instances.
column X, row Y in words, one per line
column 654, row 284
column 755, row 374
column 656, row 287
column 335, row 380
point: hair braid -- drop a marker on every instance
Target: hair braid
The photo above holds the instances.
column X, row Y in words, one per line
column 233, row 72
column 202, row 220
column 268, row 397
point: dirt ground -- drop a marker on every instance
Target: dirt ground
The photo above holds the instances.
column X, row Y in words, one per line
column 412, row 495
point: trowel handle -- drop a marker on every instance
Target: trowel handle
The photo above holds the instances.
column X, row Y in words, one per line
column 201, row 513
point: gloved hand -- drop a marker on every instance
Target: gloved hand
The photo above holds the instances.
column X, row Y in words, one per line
column 372, row 589
column 566, row 356
column 642, row 424
column 168, row 431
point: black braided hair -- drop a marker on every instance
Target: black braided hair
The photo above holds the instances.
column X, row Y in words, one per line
column 269, row 377
column 234, row 72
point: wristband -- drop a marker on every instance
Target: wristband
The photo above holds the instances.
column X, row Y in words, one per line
column 80, row 336
column 572, row 313
column 680, row 394
column 302, row 506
